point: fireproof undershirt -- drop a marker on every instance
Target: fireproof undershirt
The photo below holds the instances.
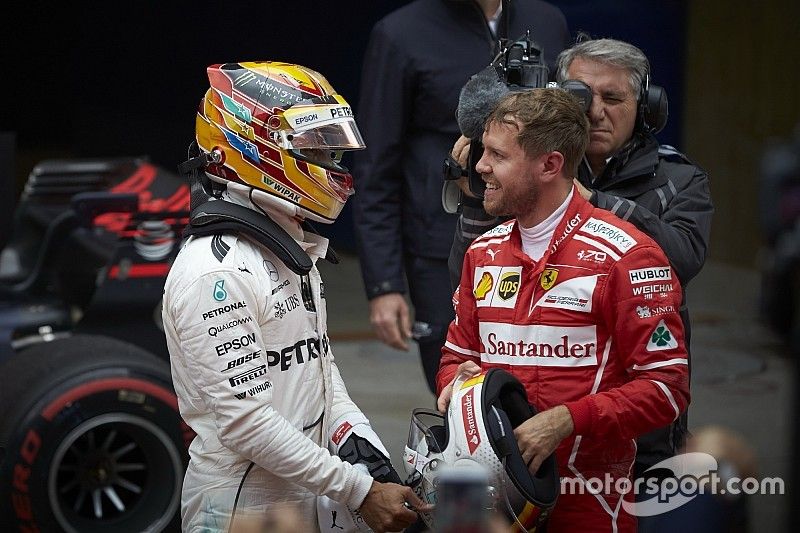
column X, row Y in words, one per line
column 536, row 238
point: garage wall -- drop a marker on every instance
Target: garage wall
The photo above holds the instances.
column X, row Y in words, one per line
column 742, row 88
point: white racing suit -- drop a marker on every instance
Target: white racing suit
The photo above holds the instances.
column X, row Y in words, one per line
column 256, row 380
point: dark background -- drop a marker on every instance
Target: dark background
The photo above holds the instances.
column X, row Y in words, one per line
column 90, row 79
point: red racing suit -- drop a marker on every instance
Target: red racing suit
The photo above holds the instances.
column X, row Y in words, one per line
column 592, row 325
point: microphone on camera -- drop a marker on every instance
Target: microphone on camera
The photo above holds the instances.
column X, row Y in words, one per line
column 478, row 98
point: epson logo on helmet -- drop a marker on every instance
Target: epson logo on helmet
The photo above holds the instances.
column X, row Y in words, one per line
column 470, row 427
column 306, row 119
column 643, row 275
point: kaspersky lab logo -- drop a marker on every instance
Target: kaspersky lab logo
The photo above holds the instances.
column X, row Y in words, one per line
column 219, row 291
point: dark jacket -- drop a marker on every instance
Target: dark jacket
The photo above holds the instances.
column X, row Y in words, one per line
column 417, row 60
column 663, row 194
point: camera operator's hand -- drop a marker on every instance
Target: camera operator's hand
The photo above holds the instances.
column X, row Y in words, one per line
column 541, row 434
column 384, row 508
column 465, row 370
column 460, row 153
column 586, row 193
column 390, row 319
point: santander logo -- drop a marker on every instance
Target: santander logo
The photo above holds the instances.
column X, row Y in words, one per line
column 470, row 427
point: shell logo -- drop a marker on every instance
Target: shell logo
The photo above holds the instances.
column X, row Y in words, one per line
column 484, row 286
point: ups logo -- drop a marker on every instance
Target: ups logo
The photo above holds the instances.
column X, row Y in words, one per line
column 509, row 285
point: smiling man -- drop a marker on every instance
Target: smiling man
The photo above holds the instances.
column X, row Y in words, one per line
column 627, row 172
column 554, row 297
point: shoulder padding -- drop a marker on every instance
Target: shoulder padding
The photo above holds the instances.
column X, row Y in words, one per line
column 218, row 216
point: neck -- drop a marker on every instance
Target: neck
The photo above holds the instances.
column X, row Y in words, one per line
column 489, row 7
column 547, row 202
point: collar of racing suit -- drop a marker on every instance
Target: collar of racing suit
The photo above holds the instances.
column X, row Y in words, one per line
column 313, row 244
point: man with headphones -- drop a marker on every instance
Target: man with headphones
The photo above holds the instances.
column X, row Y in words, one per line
column 627, row 172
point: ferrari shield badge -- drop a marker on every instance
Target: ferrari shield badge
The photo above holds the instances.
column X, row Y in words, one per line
column 548, row 278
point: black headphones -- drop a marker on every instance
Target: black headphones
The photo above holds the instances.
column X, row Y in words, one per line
column 653, row 109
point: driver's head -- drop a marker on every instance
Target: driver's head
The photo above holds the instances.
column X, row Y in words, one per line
column 281, row 129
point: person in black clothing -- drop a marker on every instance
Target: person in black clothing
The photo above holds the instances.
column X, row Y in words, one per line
column 627, row 172
column 417, row 60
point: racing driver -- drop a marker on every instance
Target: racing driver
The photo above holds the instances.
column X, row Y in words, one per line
column 244, row 311
column 578, row 304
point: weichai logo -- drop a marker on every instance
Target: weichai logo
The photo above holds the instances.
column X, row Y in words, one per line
column 509, row 285
column 470, row 427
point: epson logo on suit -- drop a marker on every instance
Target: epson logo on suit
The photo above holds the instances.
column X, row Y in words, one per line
column 235, row 344
column 250, row 375
column 643, row 275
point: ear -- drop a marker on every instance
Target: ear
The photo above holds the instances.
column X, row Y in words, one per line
column 551, row 165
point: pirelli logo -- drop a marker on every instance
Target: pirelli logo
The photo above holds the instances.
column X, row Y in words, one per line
column 250, row 375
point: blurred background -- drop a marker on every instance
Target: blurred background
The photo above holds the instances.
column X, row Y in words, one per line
column 96, row 79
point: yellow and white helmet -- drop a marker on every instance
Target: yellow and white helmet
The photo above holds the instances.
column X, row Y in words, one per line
column 279, row 128
column 477, row 434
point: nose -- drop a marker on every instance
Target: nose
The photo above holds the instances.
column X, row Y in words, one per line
column 482, row 166
column 596, row 110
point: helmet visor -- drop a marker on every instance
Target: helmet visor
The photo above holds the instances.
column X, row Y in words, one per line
column 340, row 135
column 427, row 433
column 327, row 124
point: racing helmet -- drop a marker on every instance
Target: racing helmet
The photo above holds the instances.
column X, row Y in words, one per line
column 478, row 431
column 279, row 128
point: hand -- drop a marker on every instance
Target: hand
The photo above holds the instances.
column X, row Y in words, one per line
column 389, row 316
column 540, row 435
column 460, row 152
column 466, row 370
column 586, row 193
column 384, row 508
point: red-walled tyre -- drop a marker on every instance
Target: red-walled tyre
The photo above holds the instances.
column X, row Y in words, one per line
column 90, row 439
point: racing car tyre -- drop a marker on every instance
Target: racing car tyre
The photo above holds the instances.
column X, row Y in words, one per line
column 90, row 439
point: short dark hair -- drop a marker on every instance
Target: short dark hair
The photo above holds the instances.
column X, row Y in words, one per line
column 549, row 120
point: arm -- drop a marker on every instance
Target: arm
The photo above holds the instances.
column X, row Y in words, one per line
column 651, row 350
column 473, row 221
column 684, row 227
column 461, row 351
column 383, row 110
column 247, row 423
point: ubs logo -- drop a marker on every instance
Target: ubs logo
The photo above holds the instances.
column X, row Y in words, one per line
column 509, row 285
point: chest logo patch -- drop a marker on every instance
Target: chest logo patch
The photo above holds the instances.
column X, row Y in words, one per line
column 497, row 286
column 548, row 278
column 484, row 285
column 509, row 285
